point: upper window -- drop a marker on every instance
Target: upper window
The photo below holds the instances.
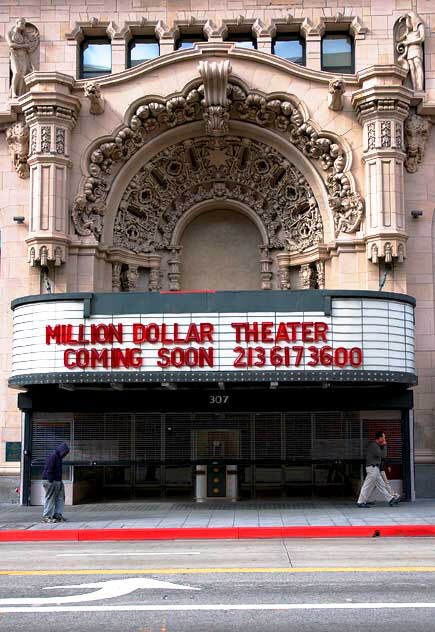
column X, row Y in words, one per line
column 242, row 40
column 338, row 53
column 290, row 47
column 142, row 49
column 189, row 41
column 95, row 57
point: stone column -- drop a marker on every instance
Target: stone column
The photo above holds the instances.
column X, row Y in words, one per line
column 382, row 104
column 155, row 263
column 51, row 112
column 283, row 259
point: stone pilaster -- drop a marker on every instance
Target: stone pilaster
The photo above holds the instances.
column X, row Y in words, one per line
column 50, row 112
column 382, row 105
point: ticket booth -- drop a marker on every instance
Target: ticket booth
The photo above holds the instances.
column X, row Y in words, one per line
column 215, row 478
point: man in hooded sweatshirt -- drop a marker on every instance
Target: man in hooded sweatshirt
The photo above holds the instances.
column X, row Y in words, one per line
column 54, row 501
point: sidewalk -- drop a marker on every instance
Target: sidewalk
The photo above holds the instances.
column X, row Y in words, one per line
column 163, row 520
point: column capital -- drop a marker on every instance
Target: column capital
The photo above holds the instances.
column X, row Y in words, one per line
column 49, row 99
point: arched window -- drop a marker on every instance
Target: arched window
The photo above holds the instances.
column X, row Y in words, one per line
column 95, row 57
column 338, row 53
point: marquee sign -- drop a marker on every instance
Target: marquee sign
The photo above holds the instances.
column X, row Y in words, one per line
column 58, row 340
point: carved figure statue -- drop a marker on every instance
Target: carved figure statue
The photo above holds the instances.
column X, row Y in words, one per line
column 336, row 89
column 93, row 93
column 416, row 130
column 17, row 138
column 409, row 46
column 22, row 39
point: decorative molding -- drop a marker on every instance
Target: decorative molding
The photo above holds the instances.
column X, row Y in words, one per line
column 116, row 277
column 92, row 92
column 93, row 27
column 45, row 139
column 281, row 114
column 417, row 130
column 216, row 104
column 385, row 134
column 336, row 90
column 17, row 138
column 202, row 169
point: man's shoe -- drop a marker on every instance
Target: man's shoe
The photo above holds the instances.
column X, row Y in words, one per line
column 363, row 505
column 59, row 519
column 393, row 502
column 47, row 519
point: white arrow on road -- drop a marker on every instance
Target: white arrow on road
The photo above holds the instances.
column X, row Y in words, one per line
column 107, row 590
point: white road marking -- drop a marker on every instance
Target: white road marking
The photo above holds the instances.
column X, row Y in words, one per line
column 107, row 590
column 223, row 607
column 129, row 554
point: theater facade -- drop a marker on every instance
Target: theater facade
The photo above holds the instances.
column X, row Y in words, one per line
column 216, row 253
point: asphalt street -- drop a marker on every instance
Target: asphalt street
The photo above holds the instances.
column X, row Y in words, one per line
column 219, row 586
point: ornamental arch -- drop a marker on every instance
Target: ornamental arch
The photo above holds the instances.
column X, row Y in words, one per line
column 255, row 149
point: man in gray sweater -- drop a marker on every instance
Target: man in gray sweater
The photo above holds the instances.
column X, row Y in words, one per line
column 374, row 478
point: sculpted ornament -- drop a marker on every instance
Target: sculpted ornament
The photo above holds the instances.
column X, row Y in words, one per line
column 17, row 138
column 409, row 45
column 230, row 168
column 23, row 40
column 278, row 114
column 215, row 102
column 417, row 130
column 336, row 89
column 93, row 93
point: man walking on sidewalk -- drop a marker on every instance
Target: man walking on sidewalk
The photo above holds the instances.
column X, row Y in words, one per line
column 54, row 501
column 374, row 477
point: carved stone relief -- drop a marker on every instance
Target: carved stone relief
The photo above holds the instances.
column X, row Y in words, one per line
column 336, row 89
column 409, row 45
column 279, row 114
column 17, row 138
column 417, row 130
column 230, row 168
column 306, row 276
column 60, row 140
column 23, row 41
column 371, row 136
column 216, row 104
column 45, row 139
column 385, row 134
column 92, row 92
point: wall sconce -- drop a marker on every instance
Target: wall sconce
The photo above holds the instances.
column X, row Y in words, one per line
column 19, row 219
column 416, row 214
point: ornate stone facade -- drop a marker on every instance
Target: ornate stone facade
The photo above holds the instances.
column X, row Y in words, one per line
column 417, row 130
column 280, row 114
column 228, row 168
column 17, row 138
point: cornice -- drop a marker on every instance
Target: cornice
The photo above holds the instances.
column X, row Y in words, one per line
column 382, row 100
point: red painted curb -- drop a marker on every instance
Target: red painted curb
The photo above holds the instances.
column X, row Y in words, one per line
column 234, row 533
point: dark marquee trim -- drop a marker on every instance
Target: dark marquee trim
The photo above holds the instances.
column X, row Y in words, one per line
column 153, row 377
column 207, row 302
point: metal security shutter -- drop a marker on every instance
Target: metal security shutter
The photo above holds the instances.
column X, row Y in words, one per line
column 102, row 438
column 147, row 437
column 178, row 437
column 49, row 431
column 298, row 436
column 335, row 435
column 269, row 444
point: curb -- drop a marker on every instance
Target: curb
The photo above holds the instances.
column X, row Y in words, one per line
column 229, row 533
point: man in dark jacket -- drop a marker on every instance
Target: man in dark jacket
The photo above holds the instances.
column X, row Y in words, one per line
column 54, row 501
column 374, row 479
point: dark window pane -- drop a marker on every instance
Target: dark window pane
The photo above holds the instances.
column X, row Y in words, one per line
column 291, row 49
column 337, row 52
column 143, row 51
column 96, row 59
